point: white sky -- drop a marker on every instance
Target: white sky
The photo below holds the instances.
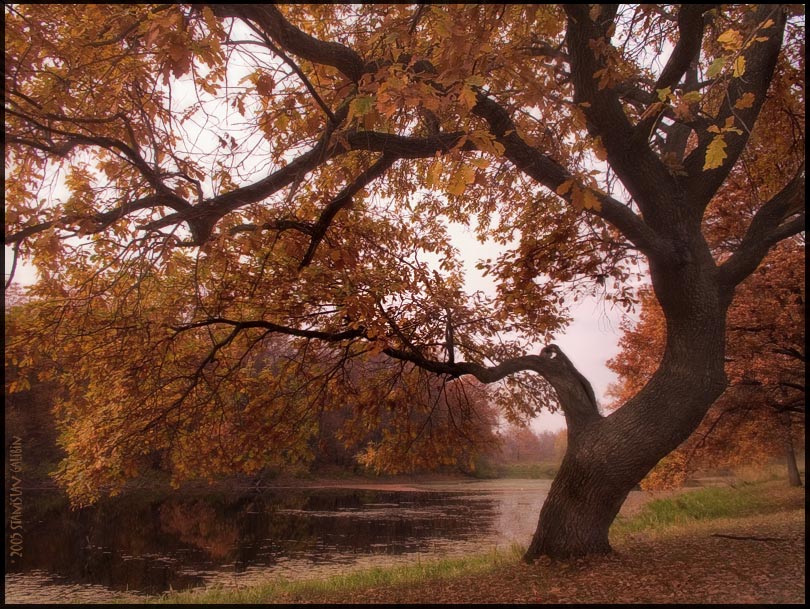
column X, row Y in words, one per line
column 589, row 341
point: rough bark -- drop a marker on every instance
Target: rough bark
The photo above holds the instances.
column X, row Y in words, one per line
column 608, row 456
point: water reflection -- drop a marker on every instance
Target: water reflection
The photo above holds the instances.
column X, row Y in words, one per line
column 148, row 545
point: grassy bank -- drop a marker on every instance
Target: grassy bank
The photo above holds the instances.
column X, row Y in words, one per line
column 712, row 503
column 544, row 470
column 660, row 516
column 280, row 590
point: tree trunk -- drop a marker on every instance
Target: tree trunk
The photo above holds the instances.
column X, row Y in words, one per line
column 608, row 456
column 794, row 479
column 603, row 463
column 577, row 514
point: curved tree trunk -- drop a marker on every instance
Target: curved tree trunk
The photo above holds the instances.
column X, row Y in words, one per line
column 607, row 459
column 608, row 456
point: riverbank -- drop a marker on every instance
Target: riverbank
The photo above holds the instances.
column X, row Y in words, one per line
column 732, row 545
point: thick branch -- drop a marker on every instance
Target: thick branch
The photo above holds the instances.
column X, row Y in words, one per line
column 573, row 389
column 551, row 174
column 406, row 147
column 202, row 218
column 130, row 153
column 629, row 154
column 687, row 50
column 101, row 220
column 769, row 226
column 280, row 225
column 270, row 20
column 760, row 61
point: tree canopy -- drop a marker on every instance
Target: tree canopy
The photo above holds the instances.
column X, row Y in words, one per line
column 193, row 180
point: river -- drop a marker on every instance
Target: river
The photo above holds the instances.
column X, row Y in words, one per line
column 146, row 544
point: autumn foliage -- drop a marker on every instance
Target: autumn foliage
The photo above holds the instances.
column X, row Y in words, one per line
column 206, row 189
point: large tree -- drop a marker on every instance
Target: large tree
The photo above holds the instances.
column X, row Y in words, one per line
column 216, row 174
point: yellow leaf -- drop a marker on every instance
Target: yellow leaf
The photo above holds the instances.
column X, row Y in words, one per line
column 434, row 173
column 485, row 142
column 457, row 187
column 467, row 97
column 468, row 174
column 739, row 67
column 281, row 122
column 729, row 126
column 730, row 39
column 360, row 105
column 564, row 187
column 715, row 153
column 590, row 201
column 599, row 150
column 577, row 198
column 746, row 101
column 692, row 97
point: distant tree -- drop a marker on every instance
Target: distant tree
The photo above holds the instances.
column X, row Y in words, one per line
column 521, row 444
column 217, row 174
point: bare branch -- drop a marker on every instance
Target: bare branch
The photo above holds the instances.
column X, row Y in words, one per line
column 273, row 327
column 342, row 201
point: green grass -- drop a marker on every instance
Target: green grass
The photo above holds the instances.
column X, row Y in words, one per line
column 545, row 470
column 709, row 503
column 314, row 589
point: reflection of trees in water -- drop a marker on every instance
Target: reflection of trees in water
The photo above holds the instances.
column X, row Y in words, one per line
column 361, row 521
column 100, row 545
column 198, row 524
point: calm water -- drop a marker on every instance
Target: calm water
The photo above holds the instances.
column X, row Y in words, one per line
column 146, row 545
